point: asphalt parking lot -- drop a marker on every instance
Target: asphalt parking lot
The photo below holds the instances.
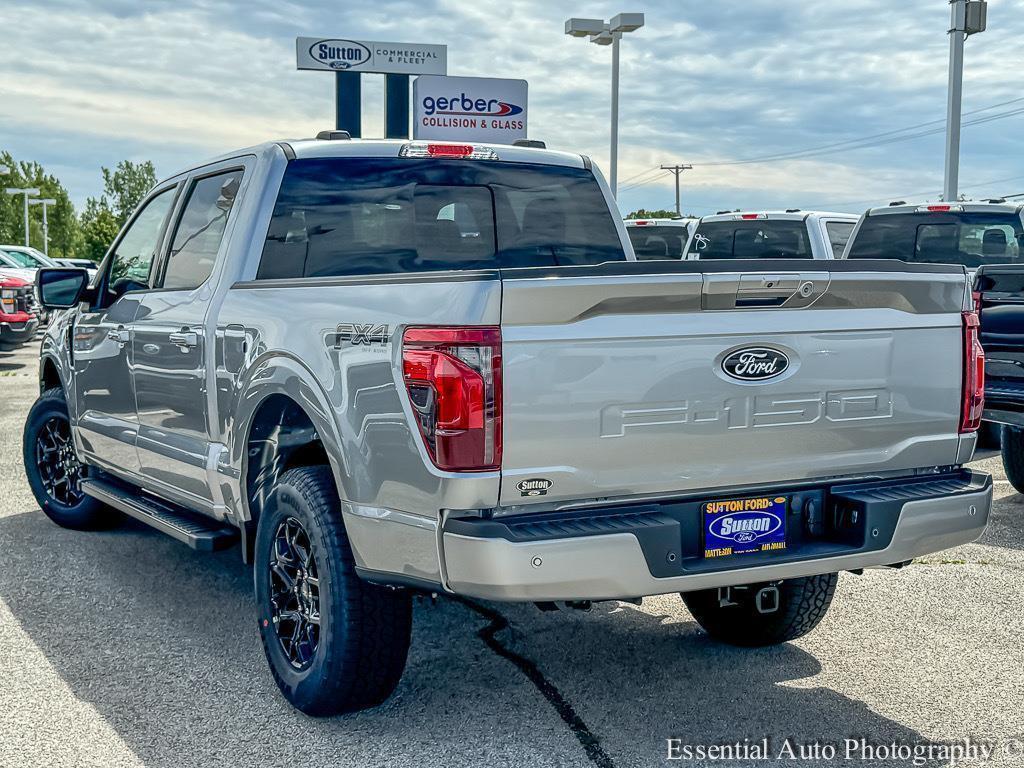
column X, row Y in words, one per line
column 125, row 648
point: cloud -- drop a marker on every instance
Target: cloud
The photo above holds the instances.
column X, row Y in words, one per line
column 87, row 82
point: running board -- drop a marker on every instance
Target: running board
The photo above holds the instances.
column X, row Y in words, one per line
column 197, row 531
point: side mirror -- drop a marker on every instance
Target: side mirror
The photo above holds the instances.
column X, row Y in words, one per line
column 61, row 288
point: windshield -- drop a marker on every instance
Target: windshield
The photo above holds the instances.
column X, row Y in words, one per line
column 970, row 239
column 753, row 239
column 664, row 241
column 38, row 259
column 358, row 216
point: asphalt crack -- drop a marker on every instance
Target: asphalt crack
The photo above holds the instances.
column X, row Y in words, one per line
column 489, row 634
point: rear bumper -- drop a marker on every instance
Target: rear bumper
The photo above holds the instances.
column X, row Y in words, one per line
column 914, row 518
column 18, row 333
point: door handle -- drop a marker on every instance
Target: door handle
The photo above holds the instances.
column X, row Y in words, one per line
column 184, row 339
column 118, row 335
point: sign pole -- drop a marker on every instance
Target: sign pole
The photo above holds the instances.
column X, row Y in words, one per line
column 348, row 97
column 396, row 106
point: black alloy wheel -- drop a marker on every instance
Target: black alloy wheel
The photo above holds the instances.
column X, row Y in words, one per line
column 295, row 593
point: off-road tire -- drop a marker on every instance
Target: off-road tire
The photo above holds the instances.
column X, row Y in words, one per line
column 86, row 514
column 1013, row 456
column 364, row 628
column 802, row 605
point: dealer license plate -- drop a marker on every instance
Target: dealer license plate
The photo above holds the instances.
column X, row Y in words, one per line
column 744, row 526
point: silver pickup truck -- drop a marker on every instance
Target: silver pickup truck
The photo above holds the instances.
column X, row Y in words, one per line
column 386, row 366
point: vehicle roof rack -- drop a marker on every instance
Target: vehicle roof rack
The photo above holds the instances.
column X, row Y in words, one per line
column 792, row 210
column 996, row 200
column 898, row 202
column 334, row 135
column 532, row 143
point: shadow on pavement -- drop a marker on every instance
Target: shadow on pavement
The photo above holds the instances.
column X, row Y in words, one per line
column 161, row 641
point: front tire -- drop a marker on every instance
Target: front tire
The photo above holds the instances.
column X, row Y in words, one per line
column 335, row 643
column 54, row 471
column 802, row 604
column 1013, row 456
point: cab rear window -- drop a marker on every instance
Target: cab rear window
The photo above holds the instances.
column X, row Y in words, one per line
column 665, row 241
column 360, row 216
column 969, row 239
column 755, row 239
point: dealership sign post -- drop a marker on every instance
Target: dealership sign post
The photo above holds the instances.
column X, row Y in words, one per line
column 348, row 59
column 469, row 109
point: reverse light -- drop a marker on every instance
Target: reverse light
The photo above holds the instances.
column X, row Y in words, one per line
column 453, row 377
column 464, row 151
column 974, row 375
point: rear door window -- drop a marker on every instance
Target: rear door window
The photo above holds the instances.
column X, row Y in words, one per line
column 753, row 239
column 200, row 230
column 969, row 239
column 359, row 216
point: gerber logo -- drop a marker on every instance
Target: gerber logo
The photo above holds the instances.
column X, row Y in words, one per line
column 464, row 106
column 745, row 527
column 340, row 54
column 755, row 363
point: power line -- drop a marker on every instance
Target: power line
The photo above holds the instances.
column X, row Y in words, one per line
column 888, row 137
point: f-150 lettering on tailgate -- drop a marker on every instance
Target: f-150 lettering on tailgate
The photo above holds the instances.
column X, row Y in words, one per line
column 781, row 410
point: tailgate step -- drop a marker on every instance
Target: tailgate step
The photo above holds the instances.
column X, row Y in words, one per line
column 198, row 532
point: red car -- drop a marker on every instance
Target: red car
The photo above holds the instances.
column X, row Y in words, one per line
column 18, row 320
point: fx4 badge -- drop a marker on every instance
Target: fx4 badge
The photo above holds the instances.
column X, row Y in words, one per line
column 357, row 333
column 535, row 486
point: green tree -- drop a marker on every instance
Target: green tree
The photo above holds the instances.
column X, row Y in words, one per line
column 659, row 214
column 61, row 220
column 99, row 227
column 125, row 186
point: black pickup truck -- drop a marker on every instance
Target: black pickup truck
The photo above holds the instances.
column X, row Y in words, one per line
column 987, row 238
column 999, row 294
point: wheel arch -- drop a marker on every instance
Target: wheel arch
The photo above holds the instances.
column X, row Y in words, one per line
column 282, row 420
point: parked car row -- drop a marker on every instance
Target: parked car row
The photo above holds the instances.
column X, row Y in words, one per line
column 20, row 312
column 383, row 367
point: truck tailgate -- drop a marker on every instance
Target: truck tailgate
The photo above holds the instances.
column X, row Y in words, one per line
column 615, row 380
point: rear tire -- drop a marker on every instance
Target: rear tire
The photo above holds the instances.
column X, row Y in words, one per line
column 335, row 643
column 803, row 603
column 54, row 471
column 1013, row 456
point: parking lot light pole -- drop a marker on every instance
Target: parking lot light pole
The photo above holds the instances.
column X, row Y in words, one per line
column 603, row 32
column 47, row 201
column 967, row 17
column 27, row 192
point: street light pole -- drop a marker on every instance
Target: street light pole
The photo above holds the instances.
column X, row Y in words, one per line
column 610, row 33
column 27, row 192
column 967, row 17
column 614, row 152
column 46, row 229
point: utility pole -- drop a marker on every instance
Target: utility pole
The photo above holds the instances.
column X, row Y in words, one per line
column 967, row 17
column 676, row 170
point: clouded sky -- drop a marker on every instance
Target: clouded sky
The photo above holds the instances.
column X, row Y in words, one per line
column 85, row 83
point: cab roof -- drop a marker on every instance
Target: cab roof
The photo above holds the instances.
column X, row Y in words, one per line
column 791, row 215
column 966, row 206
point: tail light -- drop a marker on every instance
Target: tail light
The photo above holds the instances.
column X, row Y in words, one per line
column 976, row 295
column 974, row 375
column 453, row 376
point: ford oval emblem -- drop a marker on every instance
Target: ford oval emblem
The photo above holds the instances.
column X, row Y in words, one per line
column 755, row 363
